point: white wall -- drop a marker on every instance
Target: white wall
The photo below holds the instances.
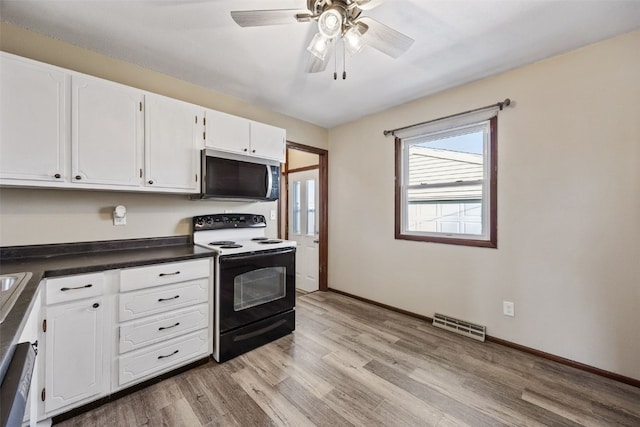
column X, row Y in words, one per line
column 30, row 216
column 568, row 211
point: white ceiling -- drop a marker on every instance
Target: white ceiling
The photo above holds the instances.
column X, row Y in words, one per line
column 456, row 42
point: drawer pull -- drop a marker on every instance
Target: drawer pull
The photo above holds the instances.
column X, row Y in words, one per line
column 168, row 274
column 162, row 328
column 168, row 355
column 96, row 305
column 77, row 287
column 168, row 299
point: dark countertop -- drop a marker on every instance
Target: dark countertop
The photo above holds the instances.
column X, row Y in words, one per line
column 77, row 258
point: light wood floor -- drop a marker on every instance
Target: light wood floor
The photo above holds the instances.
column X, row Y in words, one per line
column 350, row 363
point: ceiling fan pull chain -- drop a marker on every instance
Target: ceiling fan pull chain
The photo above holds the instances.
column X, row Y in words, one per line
column 344, row 62
column 335, row 64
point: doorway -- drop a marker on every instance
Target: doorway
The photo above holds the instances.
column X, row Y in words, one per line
column 304, row 213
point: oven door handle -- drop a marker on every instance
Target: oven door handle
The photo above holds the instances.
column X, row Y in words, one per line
column 259, row 331
column 254, row 255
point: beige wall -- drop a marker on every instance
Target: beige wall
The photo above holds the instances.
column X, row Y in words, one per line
column 301, row 159
column 568, row 211
column 30, row 216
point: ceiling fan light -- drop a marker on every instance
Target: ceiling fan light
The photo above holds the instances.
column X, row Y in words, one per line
column 353, row 40
column 330, row 23
column 319, row 46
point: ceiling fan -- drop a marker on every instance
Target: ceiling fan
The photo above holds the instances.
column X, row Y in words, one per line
column 337, row 20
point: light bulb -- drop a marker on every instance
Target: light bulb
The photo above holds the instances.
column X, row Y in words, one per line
column 319, row 46
column 330, row 23
column 353, row 40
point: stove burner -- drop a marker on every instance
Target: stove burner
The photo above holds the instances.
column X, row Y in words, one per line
column 231, row 246
column 258, row 239
column 222, row 243
column 269, row 242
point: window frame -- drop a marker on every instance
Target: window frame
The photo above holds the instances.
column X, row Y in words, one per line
column 401, row 207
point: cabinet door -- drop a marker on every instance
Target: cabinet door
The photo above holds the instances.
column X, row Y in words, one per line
column 268, row 141
column 73, row 352
column 34, row 129
column 107, row 132
column 227, row 133
column 171, row 137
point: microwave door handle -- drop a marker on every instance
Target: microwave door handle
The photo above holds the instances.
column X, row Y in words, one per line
column 269, row 181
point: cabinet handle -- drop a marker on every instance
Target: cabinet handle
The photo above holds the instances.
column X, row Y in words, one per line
column 95, row 305
column 162, row 328
column 168, row 355
column 78, row 177
column 57, row 176
column 253, row 151
column 246, row 149
column 77, row 287
column 150, row 181
column 168, row 274
column 168, row 299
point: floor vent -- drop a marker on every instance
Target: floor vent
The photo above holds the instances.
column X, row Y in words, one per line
column 471, row 330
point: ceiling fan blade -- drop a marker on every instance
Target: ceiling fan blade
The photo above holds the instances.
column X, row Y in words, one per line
column 384, row 38
column 317, row 65
column 257, row 18
column 368, row 4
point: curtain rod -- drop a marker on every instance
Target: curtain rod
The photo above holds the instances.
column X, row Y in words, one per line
column 500, row 105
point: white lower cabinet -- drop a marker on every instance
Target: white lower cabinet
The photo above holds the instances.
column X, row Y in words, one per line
column 154, row 329
column 164, row 356
column 74, row 352
column 103, row 332
column 163, row 324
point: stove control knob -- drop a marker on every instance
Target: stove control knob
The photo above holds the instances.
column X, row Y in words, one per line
column 209, row 221
column 199, row 222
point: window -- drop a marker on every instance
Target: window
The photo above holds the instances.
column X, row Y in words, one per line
column 446, row 182
column 296, row 202
column 311, row 207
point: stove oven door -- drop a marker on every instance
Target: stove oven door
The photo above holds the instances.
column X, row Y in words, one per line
column 255, row 286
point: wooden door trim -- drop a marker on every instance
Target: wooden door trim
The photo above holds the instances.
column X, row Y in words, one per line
column 323, row 211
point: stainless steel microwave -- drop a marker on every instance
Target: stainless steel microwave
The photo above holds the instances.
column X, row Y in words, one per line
column 227, row 176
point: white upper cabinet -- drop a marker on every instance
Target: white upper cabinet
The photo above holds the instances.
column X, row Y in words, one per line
column 227, row 133
column 65, row 129
column 234, row 134
column 171, row 144
column 107, row 132
column 34, row 120
column 268, row 141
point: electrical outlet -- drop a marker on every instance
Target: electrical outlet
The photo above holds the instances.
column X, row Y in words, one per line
column 119, row 215
column 508, row 308
column 273, row 214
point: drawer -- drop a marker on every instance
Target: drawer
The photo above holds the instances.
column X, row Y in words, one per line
column 140, row 333
column 162, row 357
column 70, row 288
column 146, row 302
column 162, row 274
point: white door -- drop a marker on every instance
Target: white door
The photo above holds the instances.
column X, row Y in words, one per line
column 268, row 141
column 33, row 116
column 73, row 352
column 228, row 133
column 107, row 132
column 171, row 144
column 303, row 227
